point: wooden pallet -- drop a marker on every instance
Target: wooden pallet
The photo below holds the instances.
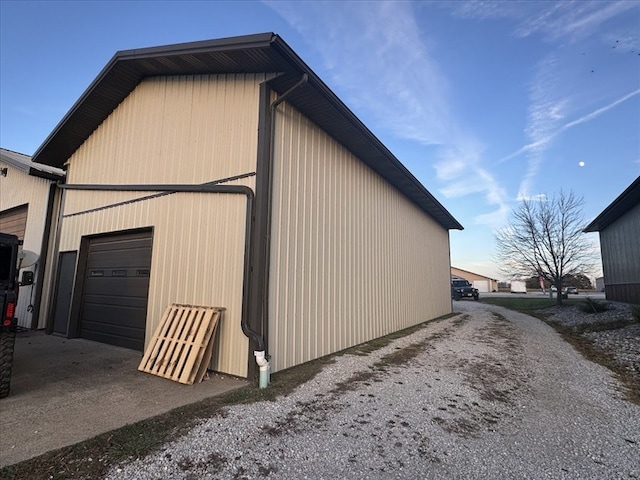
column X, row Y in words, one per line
column 182, row 345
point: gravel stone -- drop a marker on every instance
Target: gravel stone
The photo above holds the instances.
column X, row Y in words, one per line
column 492, row 393
column 623, row 343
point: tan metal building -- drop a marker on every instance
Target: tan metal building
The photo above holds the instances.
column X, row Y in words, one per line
column 27, row 193
column 482, row 283
column 226, row 173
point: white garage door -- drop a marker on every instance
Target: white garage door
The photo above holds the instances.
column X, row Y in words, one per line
column 481, row 285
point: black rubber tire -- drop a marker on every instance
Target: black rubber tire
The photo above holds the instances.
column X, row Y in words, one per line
column 7, row 342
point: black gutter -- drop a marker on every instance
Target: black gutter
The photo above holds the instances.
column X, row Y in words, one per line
column 34, row 172
column 149, row 197
column 206, row 188
column 44, row 251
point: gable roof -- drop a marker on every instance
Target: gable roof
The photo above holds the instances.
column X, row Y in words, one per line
column 260, row 53
column 472, row 273
column 23, row 163
column 621, row 205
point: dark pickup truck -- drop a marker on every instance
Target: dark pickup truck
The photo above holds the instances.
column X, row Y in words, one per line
column 8, row 300
column 461, row 288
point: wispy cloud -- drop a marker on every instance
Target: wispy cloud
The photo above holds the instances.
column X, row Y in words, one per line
column 546, row 113
column 550, row 100
column 600, row 111
column 403, row 89
column 544, row 141
column 460, row 168
column 552, row 20
column 490, row 9
column 623, row 43
column 389, row 71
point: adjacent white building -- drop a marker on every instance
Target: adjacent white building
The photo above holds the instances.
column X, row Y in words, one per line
column 27, row 196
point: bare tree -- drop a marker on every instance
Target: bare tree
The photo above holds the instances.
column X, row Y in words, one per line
column 545, row 238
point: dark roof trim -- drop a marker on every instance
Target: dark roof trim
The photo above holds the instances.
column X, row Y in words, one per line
column 260, row 53
column 23, row 163
column 621, row 205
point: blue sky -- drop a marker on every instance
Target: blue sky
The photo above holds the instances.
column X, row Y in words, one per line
column 484, row 102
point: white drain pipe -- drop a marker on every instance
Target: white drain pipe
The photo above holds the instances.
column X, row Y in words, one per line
column 265, row 370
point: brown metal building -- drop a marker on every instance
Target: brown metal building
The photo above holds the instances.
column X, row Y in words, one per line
column 619, row 227
column 226, row 173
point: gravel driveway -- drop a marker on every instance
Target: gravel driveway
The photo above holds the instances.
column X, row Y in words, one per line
column 490, row 394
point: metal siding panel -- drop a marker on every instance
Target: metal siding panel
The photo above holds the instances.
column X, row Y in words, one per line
column 180, row 129
column 351, row 258
column 621, row 249
column 198, row 258
column 628, row 292
column 19, row 188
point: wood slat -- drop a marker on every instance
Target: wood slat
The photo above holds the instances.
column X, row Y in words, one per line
column 182, row 345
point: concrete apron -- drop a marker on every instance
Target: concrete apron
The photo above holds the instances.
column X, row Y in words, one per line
column 64, row 391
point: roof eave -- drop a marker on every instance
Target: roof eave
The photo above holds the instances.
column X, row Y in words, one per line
column 121, row 58
column 23, row 162
column 622, row 204
column 130, row 67
column 34, row 172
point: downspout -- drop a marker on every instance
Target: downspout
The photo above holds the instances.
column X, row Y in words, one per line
column 204, row 188
column 44, row 250
column 54, row 262
column 282, row 98
column 260, row 294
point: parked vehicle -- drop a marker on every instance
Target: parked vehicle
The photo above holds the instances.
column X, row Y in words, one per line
column 8, row 300
column 573, row 290
column 461, row 288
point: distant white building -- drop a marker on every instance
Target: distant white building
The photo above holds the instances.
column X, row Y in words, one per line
column 482, row 283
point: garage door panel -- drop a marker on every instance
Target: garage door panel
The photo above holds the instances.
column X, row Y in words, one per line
column 115, row 242
column 112, row 339
column 116, row 288
column 116, row 259
column 111, row 300
column 113, row 329
column 118, row 316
